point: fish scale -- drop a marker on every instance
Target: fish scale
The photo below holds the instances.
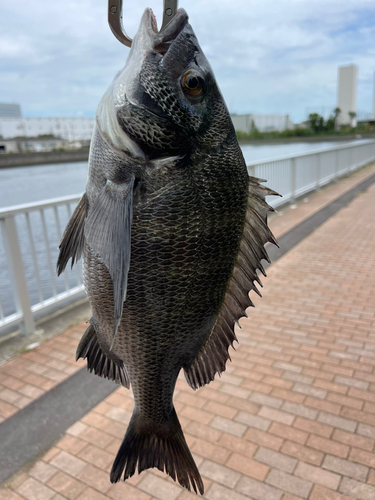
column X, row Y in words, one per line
column 172, row 231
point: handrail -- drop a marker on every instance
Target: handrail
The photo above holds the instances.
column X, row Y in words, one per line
column 31, row 232
column 306, row 153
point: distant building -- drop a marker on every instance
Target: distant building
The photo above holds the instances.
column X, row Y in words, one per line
column 10, row 110
column 263, row 123
column 69, row 129
column 347, row 94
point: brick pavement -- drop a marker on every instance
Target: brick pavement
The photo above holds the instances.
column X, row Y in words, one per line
column 31, row 374
column 294, row 415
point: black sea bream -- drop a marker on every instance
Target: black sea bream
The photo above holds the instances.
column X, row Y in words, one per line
column 172, row 230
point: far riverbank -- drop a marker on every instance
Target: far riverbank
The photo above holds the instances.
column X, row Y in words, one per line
column 43, row 158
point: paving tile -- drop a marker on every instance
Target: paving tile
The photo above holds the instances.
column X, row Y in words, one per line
column 300, row 410
column 287, row 366
column 291, row 484
column 345, row 468
column 317, row 475
column 309, row 391
column 219, row 473
column 6, row 494
column 353, row 440
column 341, row 423
column 298, row 378
column 71, row 444
column 303, row 453
column 90, row 494
column 119, row 414
column 42, row 471
column 287, row 432
column 229, row 426
column 238, row 445
column 34, row 490
column 258, row 490
column 276, row 415
column 275, row 459
column 322, row 493
column 247, row 466
column 66, row 485
column 362, row 457
column 68, row 463
column 96, row 456
column 95, row 478
column 220, row 409
column 211, row 451
column 253, row 420
column 218, row 492
column 366, row 430
column 352, row 382
column 159, row 488
column 263, row 399
column 123, row 490
column 327, row 446
column 264, row 439
column 357, row 489
column 313, row 427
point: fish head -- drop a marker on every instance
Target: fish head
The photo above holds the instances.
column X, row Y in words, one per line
column 166, row 97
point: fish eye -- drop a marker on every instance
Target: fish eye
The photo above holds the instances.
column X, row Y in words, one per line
column 193, row 84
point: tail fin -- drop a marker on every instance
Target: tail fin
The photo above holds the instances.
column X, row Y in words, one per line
column 156, row 445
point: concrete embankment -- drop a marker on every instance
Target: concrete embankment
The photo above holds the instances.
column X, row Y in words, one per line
column 28, row 159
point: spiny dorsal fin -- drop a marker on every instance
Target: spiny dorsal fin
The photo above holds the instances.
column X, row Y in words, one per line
column 71, row 245
column 98, row 362
column 213, row 355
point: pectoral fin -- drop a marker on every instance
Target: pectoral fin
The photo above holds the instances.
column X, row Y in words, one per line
column 107, row 232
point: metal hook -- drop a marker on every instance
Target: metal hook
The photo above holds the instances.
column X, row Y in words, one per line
column 115, row 18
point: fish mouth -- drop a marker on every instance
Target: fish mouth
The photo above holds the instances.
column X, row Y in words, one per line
column 162, row 40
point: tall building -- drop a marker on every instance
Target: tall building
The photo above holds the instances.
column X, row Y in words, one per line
column 10, row 110
column 347, row 94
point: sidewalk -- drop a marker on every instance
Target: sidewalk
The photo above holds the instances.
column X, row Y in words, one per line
column 294, row 415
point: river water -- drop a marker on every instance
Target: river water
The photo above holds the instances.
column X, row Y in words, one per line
column 32, row 184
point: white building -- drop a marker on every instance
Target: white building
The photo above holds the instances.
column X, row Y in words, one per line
column 10, row 110
column 69, row 129
column 263, row 123
column 347, row 94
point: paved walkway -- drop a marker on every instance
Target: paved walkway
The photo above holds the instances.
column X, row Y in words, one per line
column 294, row 415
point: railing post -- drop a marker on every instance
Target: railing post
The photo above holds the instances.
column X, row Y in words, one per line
column 318, row 170
column 293, row 180
column 336, row 165
column 17, row 274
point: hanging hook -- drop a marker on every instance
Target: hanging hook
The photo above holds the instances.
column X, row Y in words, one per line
column 115, row 18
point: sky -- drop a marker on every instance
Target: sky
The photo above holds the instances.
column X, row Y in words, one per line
column 57, row 58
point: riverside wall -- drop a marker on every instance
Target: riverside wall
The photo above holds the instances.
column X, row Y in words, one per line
column 29, row 159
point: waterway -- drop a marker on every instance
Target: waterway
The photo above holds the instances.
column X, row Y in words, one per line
column 21, row 185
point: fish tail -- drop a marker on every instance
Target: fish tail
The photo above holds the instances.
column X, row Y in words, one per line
column 162, row 445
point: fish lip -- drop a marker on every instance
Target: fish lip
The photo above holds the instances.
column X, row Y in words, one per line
column 161, row 40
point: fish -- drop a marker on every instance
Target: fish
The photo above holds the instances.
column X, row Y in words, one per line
column 172, row 231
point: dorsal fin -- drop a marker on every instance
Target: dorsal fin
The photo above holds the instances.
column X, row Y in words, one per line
column 213, row 355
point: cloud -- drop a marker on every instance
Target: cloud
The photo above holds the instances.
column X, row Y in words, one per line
column 273, row 56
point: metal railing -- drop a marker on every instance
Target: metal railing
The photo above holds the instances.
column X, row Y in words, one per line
column 294, row 176
column 30, row 233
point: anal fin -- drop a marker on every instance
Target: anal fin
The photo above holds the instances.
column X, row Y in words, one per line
column 98, row 362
